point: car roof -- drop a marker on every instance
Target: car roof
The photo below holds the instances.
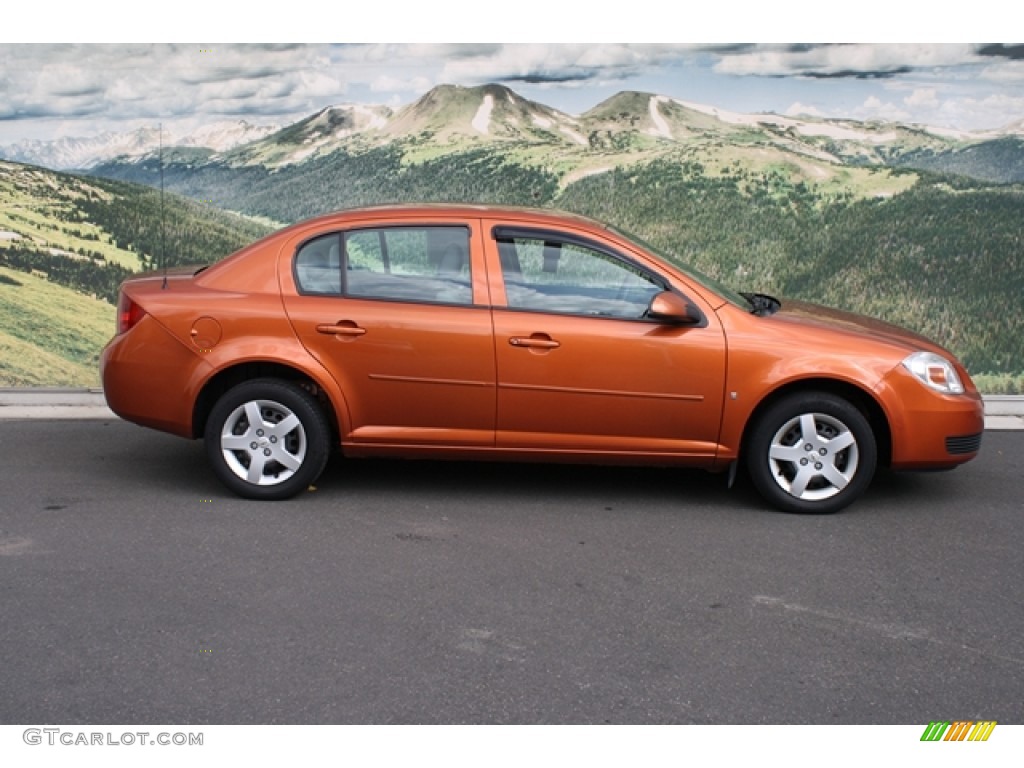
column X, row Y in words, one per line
column 468, row 210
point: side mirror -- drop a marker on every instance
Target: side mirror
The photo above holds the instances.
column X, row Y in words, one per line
column 670, row 307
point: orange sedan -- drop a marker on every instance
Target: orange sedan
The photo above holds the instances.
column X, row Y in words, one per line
column 477, row 332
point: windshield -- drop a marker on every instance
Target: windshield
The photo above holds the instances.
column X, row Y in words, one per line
column 699, row 277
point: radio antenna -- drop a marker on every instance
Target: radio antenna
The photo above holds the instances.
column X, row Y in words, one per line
column 163, row 249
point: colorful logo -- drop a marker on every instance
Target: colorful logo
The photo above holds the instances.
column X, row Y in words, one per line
column 959, row 730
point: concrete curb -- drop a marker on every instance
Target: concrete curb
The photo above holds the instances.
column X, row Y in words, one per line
column 1002, row 412
column 53, row 403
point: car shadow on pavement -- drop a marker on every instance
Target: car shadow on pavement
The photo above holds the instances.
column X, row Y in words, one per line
column 525, row 481
column 164, row 463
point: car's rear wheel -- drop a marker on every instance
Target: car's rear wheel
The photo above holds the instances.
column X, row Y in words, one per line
column 811, row 452
column 267, row 439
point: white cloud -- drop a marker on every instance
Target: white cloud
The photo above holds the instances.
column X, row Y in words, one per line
column 844, row 60
column 992, row 111
column 1004, row 72
column 132, row 81
column 539, row 63
column 922, row 97
column 874, row 108
column 796, row 108
column 392, row 84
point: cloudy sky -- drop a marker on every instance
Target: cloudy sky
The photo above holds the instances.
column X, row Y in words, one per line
column 49, row 91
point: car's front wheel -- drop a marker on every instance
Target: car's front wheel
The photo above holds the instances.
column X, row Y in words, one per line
column 267, row 439
column 811, row 452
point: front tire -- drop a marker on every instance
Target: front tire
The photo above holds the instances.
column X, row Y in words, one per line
column 267, row 439
column 812, row 453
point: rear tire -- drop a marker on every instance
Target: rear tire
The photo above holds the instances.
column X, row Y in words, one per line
column 267, row 439
column 812, row 453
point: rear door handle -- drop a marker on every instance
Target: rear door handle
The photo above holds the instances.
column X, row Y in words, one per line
column 536, row 341
column 341, row 328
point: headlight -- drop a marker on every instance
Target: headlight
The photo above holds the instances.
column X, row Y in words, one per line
column 935, row 371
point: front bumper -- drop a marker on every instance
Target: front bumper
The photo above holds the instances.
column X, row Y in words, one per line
column 930, row 430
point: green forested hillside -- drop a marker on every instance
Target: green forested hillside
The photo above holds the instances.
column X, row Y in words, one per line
column 999, row 160
column 100, row 223
column 187, row 231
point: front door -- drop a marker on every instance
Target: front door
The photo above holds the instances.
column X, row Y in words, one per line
column 580, row 367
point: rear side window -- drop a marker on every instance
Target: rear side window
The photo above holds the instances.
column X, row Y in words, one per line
column 318, row 266
column 420, row 264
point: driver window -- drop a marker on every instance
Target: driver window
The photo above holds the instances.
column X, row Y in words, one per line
column 554, row 276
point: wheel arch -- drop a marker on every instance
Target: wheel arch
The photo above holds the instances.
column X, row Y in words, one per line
column 859, row 398
column 233, row 375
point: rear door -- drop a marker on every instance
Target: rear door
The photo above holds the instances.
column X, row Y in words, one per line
column 398, row 314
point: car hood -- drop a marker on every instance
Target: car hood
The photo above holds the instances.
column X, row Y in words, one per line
column 805, row 313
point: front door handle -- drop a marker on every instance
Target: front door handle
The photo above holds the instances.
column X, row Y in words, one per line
column 536, row 341
column 341, row 328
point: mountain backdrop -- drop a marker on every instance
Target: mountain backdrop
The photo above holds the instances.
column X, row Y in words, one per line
column 920, row 226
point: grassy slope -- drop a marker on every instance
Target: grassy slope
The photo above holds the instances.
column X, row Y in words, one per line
column 49, row 335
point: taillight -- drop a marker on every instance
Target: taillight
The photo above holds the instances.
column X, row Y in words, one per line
column 128, row 313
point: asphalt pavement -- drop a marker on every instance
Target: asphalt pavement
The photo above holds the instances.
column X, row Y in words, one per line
column 134, row 589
